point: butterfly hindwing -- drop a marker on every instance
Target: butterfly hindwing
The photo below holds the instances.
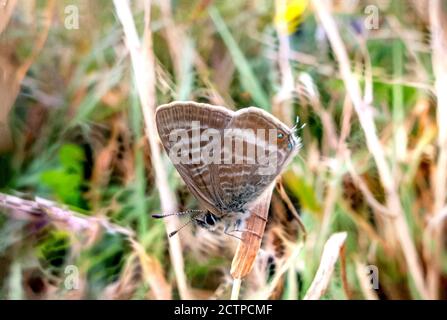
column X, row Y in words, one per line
column 241, row 183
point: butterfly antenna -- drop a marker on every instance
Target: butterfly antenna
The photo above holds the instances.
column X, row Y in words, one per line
column 173, row 233
column 163, row 215
column 295, row 127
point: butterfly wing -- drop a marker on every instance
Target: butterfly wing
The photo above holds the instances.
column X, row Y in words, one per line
column 178, row 124
column 243, row 183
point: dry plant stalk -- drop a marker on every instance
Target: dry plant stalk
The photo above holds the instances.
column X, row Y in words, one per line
column 248, row 247
column 284, row 196
column 153, row 273
column 143, row 63
column 11, row 75
column 282, row 101
column 438, row 22
column 44, row 210
column 331, row 253
column 364, row 281
column 365, row 115
column 6, row 13
column 287, row 266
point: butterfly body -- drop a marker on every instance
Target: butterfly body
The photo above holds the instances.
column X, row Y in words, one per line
column 227, row 159
column 231, row 221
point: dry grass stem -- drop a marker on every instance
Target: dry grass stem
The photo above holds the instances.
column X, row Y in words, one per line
column 365, row 282
column 153, row 274
column 144, row 71
column 438, row 21
column 266, row 292
column 11, row 76
column 6, row 13
column 365, row 115
column 236, row 289
column 42, row 210
column 291, row 207
column 331, row 253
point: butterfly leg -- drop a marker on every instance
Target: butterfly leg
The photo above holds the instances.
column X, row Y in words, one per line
column 261, row 217
column 242, row 231
column 246, row 211
column 236, row 229
column 229, row 233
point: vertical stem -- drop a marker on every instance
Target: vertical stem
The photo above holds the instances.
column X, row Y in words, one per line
column 143, row 65
column 236, row 288
column 400, row 137
column 439, row 48
column 365, row 115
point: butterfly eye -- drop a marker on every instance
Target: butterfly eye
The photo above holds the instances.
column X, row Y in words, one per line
column 209, row 219
column 280, row 135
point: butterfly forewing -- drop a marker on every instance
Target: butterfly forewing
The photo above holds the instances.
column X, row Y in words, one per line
column 183, row 118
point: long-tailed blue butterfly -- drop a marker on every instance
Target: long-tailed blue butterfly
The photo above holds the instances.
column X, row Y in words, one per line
column 227, row 159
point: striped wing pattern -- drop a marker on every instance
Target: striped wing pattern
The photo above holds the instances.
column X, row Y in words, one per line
column 199, row 177
column 243, row 183
column 222, row 187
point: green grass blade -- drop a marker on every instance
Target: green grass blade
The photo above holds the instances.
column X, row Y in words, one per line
column 247, row 77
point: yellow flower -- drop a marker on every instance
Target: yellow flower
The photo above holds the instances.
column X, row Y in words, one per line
column 289, row 14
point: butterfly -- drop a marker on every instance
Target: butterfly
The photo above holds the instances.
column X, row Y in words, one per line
column 226, row 158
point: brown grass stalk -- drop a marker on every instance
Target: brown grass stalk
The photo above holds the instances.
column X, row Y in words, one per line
column 329, row 258
column 177, row 40
column 11, row 76
column 43, row 210
column 365, row 115
column 438, row 21
column 282, row 101
column 153, row 273
column 267, row 291
column 143, row 63
column 6, row 11
column 364, row 282
column 173, row 35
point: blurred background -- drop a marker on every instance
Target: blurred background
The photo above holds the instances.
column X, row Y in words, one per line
column 79, row 179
